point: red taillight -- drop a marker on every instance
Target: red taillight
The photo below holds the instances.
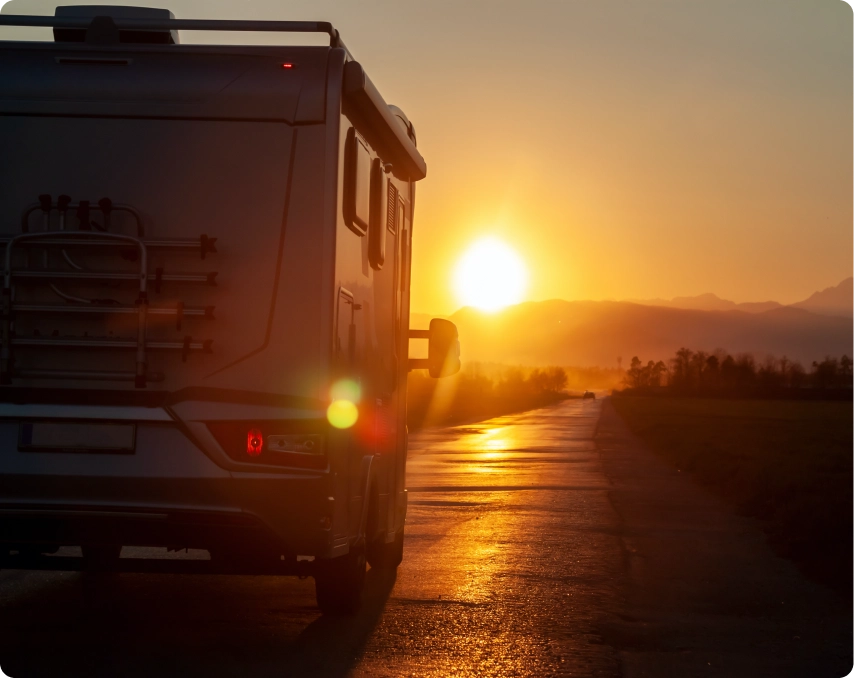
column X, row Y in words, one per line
column 287, row 65
column 254, row 442
column 294, row 443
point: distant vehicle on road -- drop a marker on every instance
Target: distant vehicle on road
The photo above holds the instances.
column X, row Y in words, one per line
column 205, row 307
column 589, row 395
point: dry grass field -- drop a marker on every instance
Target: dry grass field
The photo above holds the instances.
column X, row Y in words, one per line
column 787, row 463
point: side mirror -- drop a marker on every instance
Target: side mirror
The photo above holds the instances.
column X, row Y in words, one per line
column 443, row 352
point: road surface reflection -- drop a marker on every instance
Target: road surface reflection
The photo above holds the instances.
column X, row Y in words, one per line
column 510, row 565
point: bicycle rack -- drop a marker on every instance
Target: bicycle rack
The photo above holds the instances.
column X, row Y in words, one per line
column 133, row 248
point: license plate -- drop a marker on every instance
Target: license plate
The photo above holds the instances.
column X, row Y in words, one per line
column 67, row 437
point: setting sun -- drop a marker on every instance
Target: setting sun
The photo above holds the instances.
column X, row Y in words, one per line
column 490, row 276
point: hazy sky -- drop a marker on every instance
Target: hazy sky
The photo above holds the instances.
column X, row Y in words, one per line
column 623, row 149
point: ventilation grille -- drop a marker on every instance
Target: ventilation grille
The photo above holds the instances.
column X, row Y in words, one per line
column 391, row 215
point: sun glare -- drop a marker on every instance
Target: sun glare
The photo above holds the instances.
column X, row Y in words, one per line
column 490, row 276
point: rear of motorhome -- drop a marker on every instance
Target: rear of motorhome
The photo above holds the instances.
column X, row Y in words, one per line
column 206, row 256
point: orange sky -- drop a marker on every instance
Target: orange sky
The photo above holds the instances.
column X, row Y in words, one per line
column 624, row 149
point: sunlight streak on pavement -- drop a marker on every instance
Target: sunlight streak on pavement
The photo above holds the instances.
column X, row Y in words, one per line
column 511, row 564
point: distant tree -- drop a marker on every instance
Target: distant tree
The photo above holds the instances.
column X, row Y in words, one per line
column 513, row 381
column 657, row 372
column 769, row 374
column 550, row 380
column 680, row 372
column 645, row 376
column 712, row 364
column 797, row 375
column 784, row 371
column 697, row 372
column 634, row 375
column 712, row 373
column 698, row 367
column 537, row 380
column 845, row 370
column 473, row 386
column 556, row 379
column 729, row 373
column 826, row 373
column 745, row 371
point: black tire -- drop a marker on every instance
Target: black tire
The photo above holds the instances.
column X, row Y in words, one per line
column 382, row 556
column 338, row 583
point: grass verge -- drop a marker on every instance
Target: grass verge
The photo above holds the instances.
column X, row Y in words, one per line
column 787, row 463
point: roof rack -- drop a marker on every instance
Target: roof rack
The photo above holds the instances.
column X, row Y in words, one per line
column 366, row 104
column 178, row 25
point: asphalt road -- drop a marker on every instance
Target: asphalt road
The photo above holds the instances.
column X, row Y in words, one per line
column 535, row 545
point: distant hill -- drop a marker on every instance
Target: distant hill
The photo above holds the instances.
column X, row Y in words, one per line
column 837, row 300
column 597, row 332
column 709, row 302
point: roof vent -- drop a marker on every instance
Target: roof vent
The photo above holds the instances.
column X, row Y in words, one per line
column 139, row 37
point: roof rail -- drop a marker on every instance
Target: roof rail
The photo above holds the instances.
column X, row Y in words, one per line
column 180, row 25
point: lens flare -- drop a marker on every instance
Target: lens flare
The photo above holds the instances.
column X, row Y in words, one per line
column 342, row 413
column 346, row 389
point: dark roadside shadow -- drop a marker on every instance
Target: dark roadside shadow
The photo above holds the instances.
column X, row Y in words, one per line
column 347, row 635
column 173, row 625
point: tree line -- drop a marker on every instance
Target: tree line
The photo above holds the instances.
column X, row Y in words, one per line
column 480, row 391
column 699, row 372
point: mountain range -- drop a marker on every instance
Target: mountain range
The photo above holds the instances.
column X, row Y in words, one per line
column 838, row 300
column 709, row 302
column 588, row 333
column 831, row 300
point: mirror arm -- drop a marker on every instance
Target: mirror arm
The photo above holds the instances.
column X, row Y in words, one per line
column 419, row 364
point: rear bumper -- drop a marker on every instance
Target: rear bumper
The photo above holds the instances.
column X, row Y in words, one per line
column 168, row 493
column 76, row 524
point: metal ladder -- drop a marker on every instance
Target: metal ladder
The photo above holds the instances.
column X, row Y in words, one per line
column 64, row 240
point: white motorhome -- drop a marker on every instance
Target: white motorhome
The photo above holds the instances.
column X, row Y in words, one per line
column 204, row 316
